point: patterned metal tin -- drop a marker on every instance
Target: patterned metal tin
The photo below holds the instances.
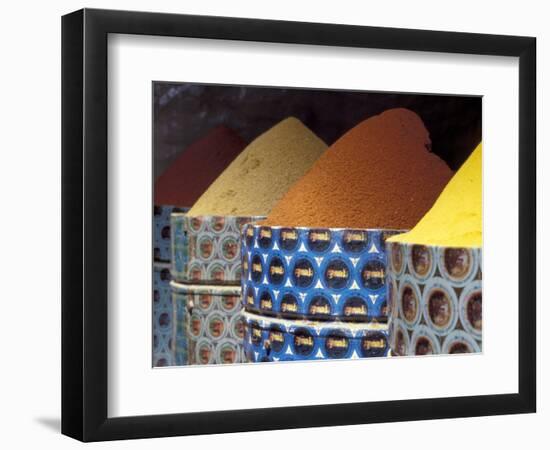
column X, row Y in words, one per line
column 435, row 299
column 270, row 339
column 206, row 249
column 211, row 321
column 315, row 274
column 163, row 317
column 161, row 231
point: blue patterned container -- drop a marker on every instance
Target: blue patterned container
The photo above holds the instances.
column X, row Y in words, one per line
column 269, row 339
column 315, row 274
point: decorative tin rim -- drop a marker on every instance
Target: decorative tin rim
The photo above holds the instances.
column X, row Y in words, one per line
column 470, row 274
column 220, row 347
column 409, row 281
column 207, row 322
column 396, row 327
column 423, row 331
column 463, row 308
column 460, row 336
column 410, row 262
column 442, row 285
column 204, row 342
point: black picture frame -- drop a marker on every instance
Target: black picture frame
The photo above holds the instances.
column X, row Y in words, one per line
column 84, row 224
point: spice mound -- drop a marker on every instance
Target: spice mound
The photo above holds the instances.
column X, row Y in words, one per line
column 380, row 174
column 455, row 220
column 197, row 167
column 263, row 172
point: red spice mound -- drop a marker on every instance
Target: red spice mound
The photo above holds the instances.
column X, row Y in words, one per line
column 380, row 174
column 197, row 167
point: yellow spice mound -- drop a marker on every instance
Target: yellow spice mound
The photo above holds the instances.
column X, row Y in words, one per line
column 263, row 172
column 455, row 218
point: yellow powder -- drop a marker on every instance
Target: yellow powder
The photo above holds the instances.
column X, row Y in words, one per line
column 263, row 172
column 455, row 218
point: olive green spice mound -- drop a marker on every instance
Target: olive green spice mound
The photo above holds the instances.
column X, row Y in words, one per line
column 262, row 173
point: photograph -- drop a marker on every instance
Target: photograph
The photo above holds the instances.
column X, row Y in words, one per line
column 296, row 224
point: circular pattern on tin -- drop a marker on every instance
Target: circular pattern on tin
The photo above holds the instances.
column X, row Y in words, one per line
column 337, row 344
column 165, row 232
column 227, row 352
column 424, row 342
column 459, row 341
column 216, row 271
column 165, row 276
column 265, row 301
column 195, row 325
column 289, row 303
column 255, row 334
column 276, row 269
column 229, row 303
column 237, row 326
column 289, row 239
column 194, row 224
column 215, row 326
column 196, row 271
column 457, row 265
column 256, row 268
column 319, row 305
column 372, row 272
column 319, row 240
column 304, row 273
column 249, row 297
column 217, row 224
column 303, row 342
column 277, row 338
column 163, row 320
column 337, row 273
column 162, row 360
column 355, row 306
column 204, row 352
column 373, row 344
column 421, row 260
column 203, row 301
column 248, row 233
column 229, row 248
column 471, row 309
column 410, row 302
column 354, row 241
column 397, row 257
column 399, row 338
column 265, row 237
column 440, row 306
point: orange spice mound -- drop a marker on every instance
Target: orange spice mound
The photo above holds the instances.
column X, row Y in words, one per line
column 380, row 174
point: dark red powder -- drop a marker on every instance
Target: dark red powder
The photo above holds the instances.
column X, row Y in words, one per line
column 197, row 167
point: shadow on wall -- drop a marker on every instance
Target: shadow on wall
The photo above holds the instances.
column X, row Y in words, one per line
column 184, row 112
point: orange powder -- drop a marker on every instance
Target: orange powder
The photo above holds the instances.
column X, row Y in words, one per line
column 380, row 174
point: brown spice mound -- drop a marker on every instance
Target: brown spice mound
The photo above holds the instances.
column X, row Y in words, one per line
column 380, row 174
column 197, row 167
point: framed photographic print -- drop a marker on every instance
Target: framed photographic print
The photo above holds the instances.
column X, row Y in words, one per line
column 273, row 224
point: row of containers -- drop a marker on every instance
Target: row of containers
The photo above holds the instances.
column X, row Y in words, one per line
column 239, row 292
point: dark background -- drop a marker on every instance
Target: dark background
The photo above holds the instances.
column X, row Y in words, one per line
column 184, row 112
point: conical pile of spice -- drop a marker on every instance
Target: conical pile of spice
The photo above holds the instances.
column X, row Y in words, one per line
column 197, row 167
column 262, row 173
column 380, row 174
column 455, row 220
